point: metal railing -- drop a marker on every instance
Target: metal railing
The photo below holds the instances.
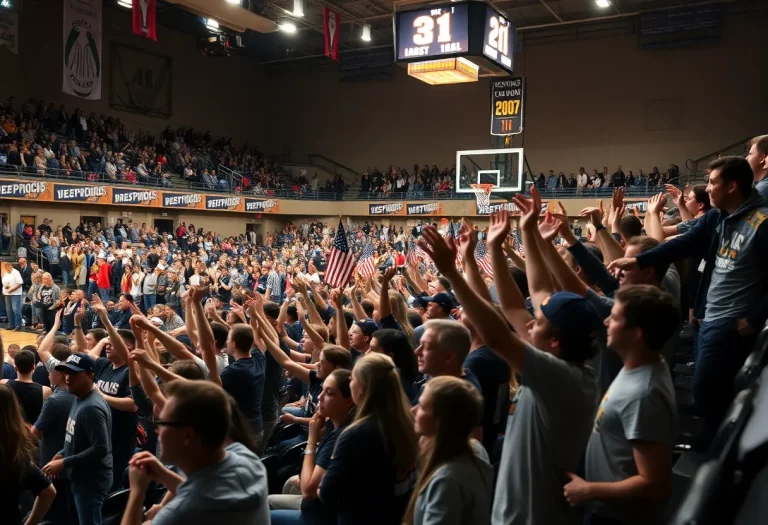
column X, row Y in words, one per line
column 353, row 193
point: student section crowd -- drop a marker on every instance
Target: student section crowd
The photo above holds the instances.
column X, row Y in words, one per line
column 425, row 392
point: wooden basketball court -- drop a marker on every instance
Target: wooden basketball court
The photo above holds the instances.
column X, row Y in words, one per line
column 18, row 338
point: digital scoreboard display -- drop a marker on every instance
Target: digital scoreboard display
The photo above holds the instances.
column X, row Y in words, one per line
column 497, row 43
column 434, row 32
column 474, row 30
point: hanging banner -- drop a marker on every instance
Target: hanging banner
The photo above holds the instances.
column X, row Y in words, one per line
column 220, row 202
column 425, row 208
column 9, row 31
column 392, row 208
column 10, row 189
column 332, row 23
column 184, row 200
column 507, row 106
column 262, row 205
column 82, row 193
column 145, row 18
column 150, row 198
column 82, row 49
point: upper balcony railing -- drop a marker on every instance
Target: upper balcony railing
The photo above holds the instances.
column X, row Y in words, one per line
column 351, row 194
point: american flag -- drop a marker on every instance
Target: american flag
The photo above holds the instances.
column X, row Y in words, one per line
column 415, row 253
column 453, row 233
column 517, row 245
column 341, row 262
column 483, row 261
column 366, row 265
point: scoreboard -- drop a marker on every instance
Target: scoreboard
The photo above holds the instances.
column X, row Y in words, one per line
column 474, row 30
column 434, row 32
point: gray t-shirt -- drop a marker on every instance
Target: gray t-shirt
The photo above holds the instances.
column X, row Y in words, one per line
column 640, row 405
column 52, row 423
column 458, row 492
column 233, row 491
column 545, row 437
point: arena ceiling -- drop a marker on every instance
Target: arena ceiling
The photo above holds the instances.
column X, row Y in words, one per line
column 308, row 41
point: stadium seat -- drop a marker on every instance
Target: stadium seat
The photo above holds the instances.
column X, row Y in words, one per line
column 114, row 507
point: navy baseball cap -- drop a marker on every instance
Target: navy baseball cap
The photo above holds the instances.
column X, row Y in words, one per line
column 367, row 326
column 77, row 363
column 442, row 299
column 571, row 314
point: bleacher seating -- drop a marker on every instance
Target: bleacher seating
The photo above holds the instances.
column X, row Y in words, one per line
column 730, row 485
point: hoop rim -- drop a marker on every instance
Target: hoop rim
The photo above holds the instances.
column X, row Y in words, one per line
column 486, row 188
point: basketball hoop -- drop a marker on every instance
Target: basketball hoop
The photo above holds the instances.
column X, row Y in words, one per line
column 482, row 193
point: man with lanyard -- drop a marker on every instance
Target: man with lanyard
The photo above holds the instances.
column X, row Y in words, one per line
column 732, row 300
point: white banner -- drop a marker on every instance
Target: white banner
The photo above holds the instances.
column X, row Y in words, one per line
column 83, row 61
column 9, row 31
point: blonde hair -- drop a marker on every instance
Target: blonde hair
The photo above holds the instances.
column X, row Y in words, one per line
column 400, row 312
column 457, row 407
column 382, row 401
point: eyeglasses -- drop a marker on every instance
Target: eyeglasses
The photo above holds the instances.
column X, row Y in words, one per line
column 170, row 424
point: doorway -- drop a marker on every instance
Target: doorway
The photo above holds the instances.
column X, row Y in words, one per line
column 164, row 226
column 94, row 220
column 5, row 244
column 29, row 219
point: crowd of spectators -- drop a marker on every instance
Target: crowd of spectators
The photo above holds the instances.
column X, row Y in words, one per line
column 534, row 386
column 399, row 182
column 605, row 180
column 45, row 139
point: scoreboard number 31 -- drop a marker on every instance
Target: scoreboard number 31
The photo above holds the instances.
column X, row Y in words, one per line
column 425, row 26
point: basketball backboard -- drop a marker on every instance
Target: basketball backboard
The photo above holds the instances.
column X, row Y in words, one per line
column 501, row 167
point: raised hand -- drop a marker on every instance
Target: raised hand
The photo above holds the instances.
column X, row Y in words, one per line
column 141, row 322
column 656, row 203
column 196, row 293
column 550, row 227
column 388, row 274
column 441, row 251
column 498, row 231
column 617, row 200
column 80, row 313
column 139, row 356
column 338, row 298
column 530, row 209
column 595, row 215
column 676, row 194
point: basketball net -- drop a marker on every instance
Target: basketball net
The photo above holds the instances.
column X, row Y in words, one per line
column 482, row 193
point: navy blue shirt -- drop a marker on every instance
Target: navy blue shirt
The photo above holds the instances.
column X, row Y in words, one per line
column 313, row 512
column 493, row 374
column 244, row 381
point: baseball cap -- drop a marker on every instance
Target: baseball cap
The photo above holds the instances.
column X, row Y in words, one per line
column 442, row 299
column 367, row 326
column 77, row 363
column 571, row 314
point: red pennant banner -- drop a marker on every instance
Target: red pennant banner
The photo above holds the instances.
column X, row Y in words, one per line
column 145, row 18
column 332, row 23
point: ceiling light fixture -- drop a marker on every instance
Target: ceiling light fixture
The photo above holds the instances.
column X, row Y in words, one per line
column 365, row 36
column 298, row 8
column 287, row 27
column 603, row 3
column 233, row 2
column 125, row 3
column 212, row 25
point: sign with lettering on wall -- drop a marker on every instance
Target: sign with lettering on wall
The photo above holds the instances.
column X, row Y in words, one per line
column 141, row 82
